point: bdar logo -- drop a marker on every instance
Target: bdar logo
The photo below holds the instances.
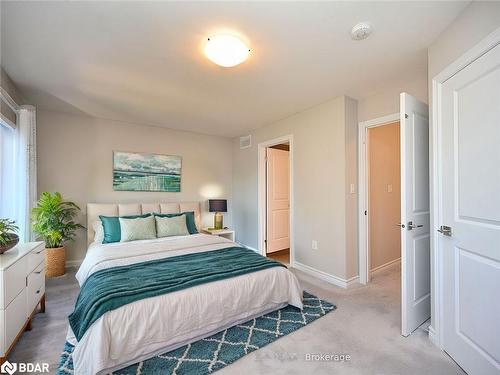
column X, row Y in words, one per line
column 8, row 368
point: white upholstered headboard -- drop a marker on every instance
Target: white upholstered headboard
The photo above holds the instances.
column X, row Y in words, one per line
column 123, row 209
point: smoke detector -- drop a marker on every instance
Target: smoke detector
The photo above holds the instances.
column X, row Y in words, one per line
column 361, row 31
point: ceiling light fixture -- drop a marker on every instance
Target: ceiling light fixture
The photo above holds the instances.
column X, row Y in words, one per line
column 361, row 31
column 226, row 50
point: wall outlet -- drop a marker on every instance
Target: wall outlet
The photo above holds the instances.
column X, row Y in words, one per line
column 314, row 245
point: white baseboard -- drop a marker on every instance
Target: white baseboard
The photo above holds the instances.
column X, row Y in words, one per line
column 434, row 338
column 335, row 280
column 248, row 247
column 74, row 263
column 390, row 263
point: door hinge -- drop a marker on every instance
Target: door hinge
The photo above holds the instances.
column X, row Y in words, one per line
column 406, row 116
column 366, row 212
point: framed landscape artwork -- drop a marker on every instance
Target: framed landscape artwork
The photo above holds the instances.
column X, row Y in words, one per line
column 146, row 172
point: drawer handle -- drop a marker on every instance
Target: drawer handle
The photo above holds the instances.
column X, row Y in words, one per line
column 38, row 252
column 38, row 272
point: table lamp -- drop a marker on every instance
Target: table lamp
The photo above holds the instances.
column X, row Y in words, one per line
column 217, row 206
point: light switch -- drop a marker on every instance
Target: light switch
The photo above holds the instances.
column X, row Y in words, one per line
column 314, row 245
column 389, row 188
column 352, row 189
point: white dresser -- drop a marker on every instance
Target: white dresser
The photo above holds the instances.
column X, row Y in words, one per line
column 22, row 288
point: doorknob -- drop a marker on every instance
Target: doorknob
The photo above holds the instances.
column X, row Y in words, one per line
column 400, row 225
column 411, row 226
column 445, row 230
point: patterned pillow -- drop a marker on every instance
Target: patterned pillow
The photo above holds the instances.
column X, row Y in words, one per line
column 141, row 228
column 98, row 231
column 171, row 226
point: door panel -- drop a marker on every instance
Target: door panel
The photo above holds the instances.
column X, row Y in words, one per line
column 278, row 200
column 470, row 199
column 415, row 236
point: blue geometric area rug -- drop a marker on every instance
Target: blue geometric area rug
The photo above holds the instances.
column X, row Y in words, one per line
column 219, row 350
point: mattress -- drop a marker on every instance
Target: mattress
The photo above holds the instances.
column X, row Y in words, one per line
column 159, row 324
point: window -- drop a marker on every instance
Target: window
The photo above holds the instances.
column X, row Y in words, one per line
column 7, row 171
column 18, row 169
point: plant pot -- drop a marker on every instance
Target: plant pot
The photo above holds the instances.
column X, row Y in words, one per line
column 55, row 262
column 14, row 239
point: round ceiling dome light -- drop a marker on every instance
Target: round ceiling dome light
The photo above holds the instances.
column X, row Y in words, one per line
column 226, row 50
column 361, row 31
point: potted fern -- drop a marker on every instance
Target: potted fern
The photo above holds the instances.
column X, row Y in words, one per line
column 53, row 221
column 8, row 237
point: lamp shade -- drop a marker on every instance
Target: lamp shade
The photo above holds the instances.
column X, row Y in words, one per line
column 217, row 205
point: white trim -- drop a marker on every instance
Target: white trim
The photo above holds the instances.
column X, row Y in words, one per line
column 432, row 336
column 385, row 265
column 485, row 45
column 7, row 99
column 261, row 177
column 335, row 280
column 5, row 120
column 248, row 247
column 364, row 254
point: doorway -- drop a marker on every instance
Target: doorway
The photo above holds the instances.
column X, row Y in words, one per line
column 276, row 199
column 413, row 223
column 384, row 198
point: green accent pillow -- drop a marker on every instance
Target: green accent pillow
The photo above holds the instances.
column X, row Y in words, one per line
column 190, row 222
column 140, row 228
column 171, row 226
column 111, row 226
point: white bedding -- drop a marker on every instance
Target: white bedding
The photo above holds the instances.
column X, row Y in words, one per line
column 159, row 324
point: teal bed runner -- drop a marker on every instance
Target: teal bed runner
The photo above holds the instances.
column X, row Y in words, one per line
column 112, row 288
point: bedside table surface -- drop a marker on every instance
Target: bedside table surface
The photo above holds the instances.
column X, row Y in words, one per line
column 218, row 231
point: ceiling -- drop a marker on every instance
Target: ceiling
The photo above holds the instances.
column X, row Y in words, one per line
column 142, row 62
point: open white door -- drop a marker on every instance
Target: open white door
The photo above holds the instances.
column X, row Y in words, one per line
column 469, row 164
column 415, row 236
column 278, row 200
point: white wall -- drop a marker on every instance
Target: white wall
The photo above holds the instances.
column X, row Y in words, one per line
column 324, row 146
column 75, row 158
column 476, row 22
column 387, row 102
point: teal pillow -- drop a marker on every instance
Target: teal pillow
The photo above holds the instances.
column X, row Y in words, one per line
column 190, row 222
column 111, row 227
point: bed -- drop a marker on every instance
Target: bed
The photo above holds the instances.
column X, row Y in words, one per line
column 150, row 326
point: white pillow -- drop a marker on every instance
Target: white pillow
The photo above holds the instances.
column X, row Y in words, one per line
column 141, row 228
column 171, row 226
column 98, row 231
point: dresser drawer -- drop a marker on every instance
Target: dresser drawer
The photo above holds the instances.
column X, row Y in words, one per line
column 3, row 349
column 35, row 257
column 13, row 281
column 36, row 287
column 15, row 318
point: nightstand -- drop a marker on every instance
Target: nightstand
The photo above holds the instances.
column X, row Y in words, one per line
column 226, row 233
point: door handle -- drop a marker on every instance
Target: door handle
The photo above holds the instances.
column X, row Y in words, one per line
column 411, row 226
column 445, row 230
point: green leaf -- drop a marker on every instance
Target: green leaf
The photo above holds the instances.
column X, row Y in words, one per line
column 53, row 219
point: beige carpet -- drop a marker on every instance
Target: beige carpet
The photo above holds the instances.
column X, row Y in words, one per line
column 366, row 326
